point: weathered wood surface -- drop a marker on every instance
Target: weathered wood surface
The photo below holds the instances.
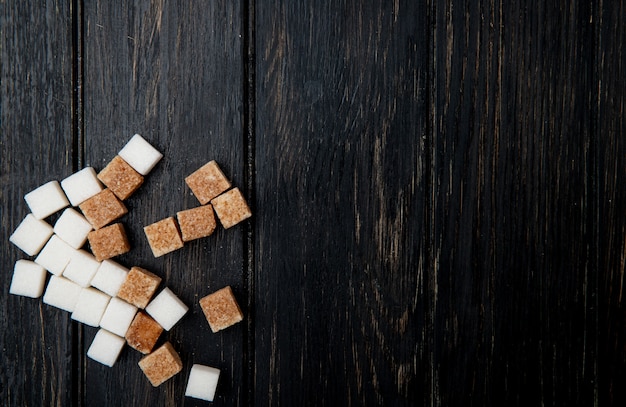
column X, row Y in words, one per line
column 436, row 188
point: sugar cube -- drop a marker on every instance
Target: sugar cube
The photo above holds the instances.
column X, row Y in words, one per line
column 73, row 228
column 81, row 186
column 90, row 306
column 196, row 223
column 31, row 235
column 106, row 347
column 140, row 154
column 110, row 277
column 167, row 309
column 202, row 382
column 46, row 200
column 231, row 208
column 28, row 279
column 221, row 309
column 161, row 365
column 110, row 241
column 120, row 178
column 55, row 255
column 139, row 287
column 61, row 293
column 103, row 208
column 163, row 236
column 81, row 268
column 207, row 182
column 143, row 333
column 118, row 316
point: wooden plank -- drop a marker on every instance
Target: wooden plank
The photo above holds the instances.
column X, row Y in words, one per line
column 340, row 250
column 512, row 212
column 36, row 137
column 174, row 74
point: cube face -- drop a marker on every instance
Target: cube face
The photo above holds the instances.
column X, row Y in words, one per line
column 103, row 208
column 28, row 279
column 143, row 333
column 72, row 228
column 163, row 237
column 120, row 178
column 46, row 200
column 221, row 309
column 109, row 277
column 196, row 223
column 161, row 365
column 202, row 382
column 81, row 268
column 167, row 309
column 81, row 186
column 139, row 287
column 31, row 235
column 108, row 242
column 106, row 347
column 62, row 293
column 207, row 182
column 140, row 155
column 118, row 316
column 231, row 208
column 55, row 256
column 90, row 306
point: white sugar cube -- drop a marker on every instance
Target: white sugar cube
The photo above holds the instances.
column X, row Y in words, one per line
column 140, row 155
column 73, row 228
column 81, row 186
column 46, row 200
column 202, row 382
column 166, row 309
column 81, row 268
column 61, row 293
column 118, row 316
column 106, row 347
column 90, row 306
column 31, row 235
column 28, row 280
column 55, row 255
column 110, row 277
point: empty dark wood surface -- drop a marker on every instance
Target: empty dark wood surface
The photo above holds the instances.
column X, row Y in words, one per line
column 436, row 187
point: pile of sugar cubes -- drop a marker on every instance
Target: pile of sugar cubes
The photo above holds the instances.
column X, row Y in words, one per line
column 102, row 293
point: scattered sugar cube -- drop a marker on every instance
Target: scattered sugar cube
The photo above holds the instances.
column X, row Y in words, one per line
column 231, row 208
column 46, row 200
column 103, row 208
column 106, row 347
column 73, row 228
column 167, row 309
column 81, row 268
column 196, row 223
column 118, row 316
column 81, row 186
column 31, row 235
column 161, row 365
column 61, row 293
column 120, row 178
column 139, row 287
column 110, row 241
column 163, row 236
column 140, row 154
column 55, row 255
column 143, row 333
column 28, row 279
column 221, row 309
column 207, row 182
column 202, row 382
column 90, row 306
column 110, row 277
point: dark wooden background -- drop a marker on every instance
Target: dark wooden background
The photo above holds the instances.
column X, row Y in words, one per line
column 437, row 188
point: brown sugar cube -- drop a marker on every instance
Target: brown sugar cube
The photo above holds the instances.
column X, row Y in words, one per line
column 120, row 178
column 163, row 236
column 207, row 182
column 143, row 333
column 221, row 309
column 103, row 208
column 139, row 286
column 196, row 223
column 231, row 208
column 161, row 365
column 108, row 242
